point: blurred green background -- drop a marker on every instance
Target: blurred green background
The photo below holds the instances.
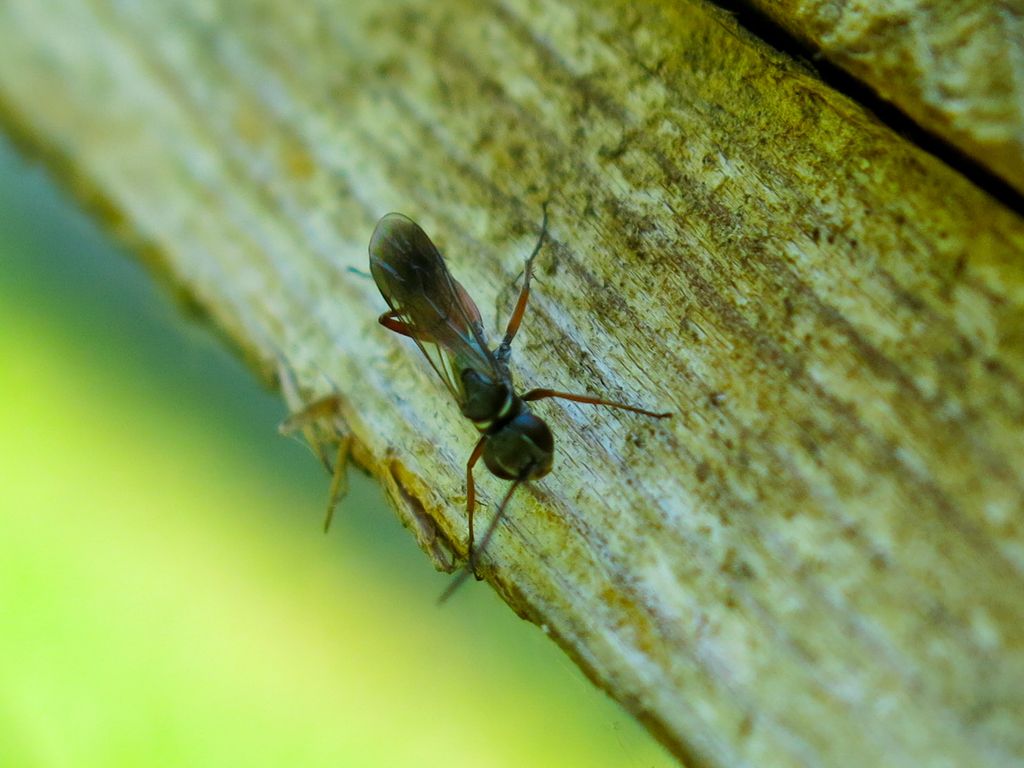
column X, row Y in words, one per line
column 167, row 597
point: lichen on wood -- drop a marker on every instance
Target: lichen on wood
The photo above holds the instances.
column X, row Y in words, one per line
column 820, row 559
column 955, row 68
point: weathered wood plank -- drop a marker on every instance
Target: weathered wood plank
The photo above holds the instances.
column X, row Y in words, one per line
column 957, row 69
column 820, row 560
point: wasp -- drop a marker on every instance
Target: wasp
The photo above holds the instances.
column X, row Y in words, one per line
column 428, row 305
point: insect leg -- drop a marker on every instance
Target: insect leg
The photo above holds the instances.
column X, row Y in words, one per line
column 474, row 457
column 390, row 321
column 461, row 578
column 524, row 294
column 540, row 394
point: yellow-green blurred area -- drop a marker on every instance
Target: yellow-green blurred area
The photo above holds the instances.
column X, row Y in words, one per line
column 167, row 596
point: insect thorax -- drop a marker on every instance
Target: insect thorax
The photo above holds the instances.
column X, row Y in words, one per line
column 487, row 402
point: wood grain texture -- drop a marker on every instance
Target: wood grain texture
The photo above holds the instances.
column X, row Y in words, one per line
column 957, row 69
column 820, row 559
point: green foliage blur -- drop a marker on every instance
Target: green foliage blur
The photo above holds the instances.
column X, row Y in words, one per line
column 167, row 597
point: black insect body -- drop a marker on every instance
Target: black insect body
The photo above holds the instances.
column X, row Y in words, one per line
column 429, row 306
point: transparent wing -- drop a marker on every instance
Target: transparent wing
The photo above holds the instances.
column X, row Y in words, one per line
column 435, row 309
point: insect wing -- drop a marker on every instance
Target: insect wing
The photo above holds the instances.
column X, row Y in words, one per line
column 436, row 310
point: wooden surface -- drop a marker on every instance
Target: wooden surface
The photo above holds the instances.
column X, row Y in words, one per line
column 957, row 69
column 820, row 559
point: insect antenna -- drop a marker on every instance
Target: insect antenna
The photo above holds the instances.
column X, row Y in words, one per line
column 470, row 568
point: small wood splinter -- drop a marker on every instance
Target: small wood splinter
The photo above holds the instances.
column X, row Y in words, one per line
column 311, row 420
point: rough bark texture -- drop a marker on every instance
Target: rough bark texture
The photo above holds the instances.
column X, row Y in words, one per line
column 957, row 68
column 820, row 559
